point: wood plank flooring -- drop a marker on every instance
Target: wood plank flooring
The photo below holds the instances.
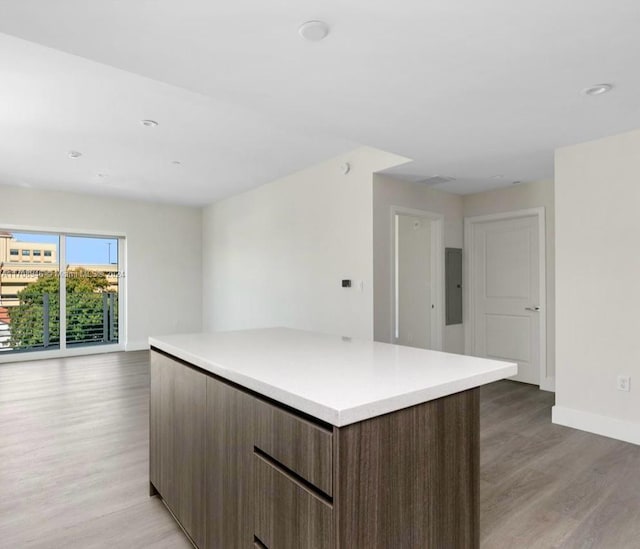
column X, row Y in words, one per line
column 551, row 487
column 74, row 439
column 74, row 465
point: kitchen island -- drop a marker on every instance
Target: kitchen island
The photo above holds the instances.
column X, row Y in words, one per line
column 286, row 439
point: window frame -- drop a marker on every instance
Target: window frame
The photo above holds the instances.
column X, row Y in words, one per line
column 60, row 260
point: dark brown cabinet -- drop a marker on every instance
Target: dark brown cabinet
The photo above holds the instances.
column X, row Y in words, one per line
column 230, row 493
column 289, row 514
column 177, row 441
column 304, row 447
column 238, row 470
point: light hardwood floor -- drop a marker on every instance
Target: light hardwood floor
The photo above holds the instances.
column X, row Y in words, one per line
column 545, row 486
column 74, row 446
column 74, row 465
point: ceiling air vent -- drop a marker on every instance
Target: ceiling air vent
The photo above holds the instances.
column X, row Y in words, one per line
column 437, row 180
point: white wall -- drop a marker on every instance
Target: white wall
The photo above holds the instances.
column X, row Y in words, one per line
column 164, row 246
column 388, row 192
column 523, row 197
column 276, row 255
column 598, row 290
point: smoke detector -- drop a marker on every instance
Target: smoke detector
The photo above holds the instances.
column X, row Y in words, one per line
column 314, row 31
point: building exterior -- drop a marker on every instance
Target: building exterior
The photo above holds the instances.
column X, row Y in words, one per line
column 22, row 263
column 14, row 251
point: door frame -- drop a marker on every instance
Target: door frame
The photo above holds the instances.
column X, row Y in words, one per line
column 436, row 221
column 469, row 260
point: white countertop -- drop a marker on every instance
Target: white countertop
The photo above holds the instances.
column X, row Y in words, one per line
column 338, row 380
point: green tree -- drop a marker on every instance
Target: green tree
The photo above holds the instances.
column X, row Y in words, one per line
column 84, row 309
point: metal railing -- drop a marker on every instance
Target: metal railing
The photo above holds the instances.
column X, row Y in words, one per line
column 91, row 319
column 33, row 325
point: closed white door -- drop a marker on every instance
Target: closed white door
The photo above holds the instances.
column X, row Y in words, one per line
column 413, row 279
column 505, row 274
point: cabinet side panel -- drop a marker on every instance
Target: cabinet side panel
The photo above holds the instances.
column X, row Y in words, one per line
column 458, row 517
column 189, row 450
column 229, row 467
column 410, row 479
column 178, row 403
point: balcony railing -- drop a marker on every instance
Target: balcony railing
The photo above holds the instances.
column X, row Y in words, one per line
column 92, row 319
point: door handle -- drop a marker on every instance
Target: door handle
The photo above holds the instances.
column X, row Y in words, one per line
column 535, row 309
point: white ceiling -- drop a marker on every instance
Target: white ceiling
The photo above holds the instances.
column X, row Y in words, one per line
column 52, row 103
column 466, row 89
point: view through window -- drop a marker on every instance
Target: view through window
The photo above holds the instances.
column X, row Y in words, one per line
column 32, row 282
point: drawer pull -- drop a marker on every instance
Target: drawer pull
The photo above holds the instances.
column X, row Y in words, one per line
column 258, row 544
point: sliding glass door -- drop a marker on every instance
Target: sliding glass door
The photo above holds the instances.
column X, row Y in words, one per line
column 58, row 291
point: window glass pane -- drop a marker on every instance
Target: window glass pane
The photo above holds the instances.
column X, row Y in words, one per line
column 92, row 290
column 29, row 294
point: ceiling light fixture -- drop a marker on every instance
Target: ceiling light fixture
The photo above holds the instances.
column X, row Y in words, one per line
column 598, row 89
column 74, row 154
column 497, row 176
column 149, row 123
column 176, row 162
column 314, row 31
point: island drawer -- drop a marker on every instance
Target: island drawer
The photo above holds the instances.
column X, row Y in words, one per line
column 304, row 447
column 288, row 514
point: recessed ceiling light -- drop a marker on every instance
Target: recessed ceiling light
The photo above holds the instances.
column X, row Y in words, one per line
column 598, row 89
column 314, row 31
column 149, row 123
column 74, row 154
column 497, row 176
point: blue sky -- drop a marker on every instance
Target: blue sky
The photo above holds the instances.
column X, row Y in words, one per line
column 80, row 249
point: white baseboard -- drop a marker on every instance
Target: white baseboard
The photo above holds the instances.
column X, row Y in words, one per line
column 70, row 352
column 619, row 429
column 548, row 384
column 142, row 345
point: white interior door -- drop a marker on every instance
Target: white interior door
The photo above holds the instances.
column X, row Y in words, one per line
column 414, row 275
column 505, row 274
